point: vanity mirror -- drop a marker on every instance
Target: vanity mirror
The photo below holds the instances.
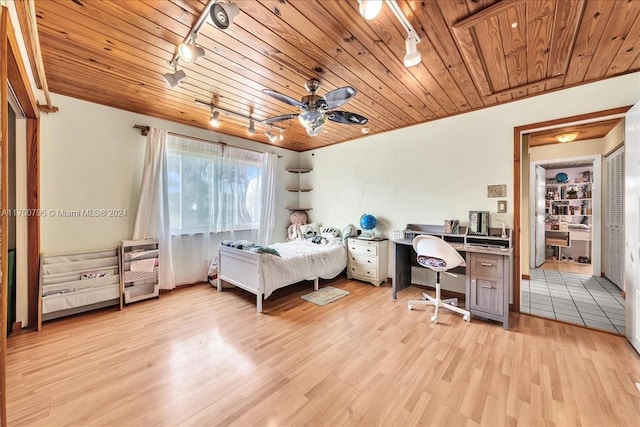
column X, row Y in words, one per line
column 479, row 223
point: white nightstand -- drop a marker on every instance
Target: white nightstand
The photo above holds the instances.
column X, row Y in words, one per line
column 367, row 260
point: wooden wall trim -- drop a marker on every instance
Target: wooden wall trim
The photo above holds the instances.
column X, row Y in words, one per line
column 4, row 111
column 518, row 146
column 33, row 221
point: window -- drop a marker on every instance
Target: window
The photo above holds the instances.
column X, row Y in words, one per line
column 211, row 187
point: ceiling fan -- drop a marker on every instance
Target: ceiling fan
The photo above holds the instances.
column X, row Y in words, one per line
column 315, row 110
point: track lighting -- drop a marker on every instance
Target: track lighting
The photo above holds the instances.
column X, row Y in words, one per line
column 174, row 78
column 222, row 14
column 369, row 9
column 251, row 128
column 189, row 51
column 271, row 135
column 412, row 56
column 215, row 119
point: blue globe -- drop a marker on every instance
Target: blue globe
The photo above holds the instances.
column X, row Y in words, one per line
column 368, row 222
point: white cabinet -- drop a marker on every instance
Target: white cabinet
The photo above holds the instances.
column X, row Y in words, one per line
column 73, row 283
column 139, row 266
column 367, row 260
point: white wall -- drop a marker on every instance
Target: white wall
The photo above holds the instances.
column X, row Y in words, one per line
column 91, row 158
column 440, row 170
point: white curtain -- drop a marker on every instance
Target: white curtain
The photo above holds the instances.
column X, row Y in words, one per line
column 152, row 218
column 268, row 184
column 238, row 186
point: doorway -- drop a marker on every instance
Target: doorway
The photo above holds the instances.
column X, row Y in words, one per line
column 566, row 276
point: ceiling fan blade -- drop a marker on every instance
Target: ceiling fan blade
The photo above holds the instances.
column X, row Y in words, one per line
column 279, row 118
column 347, row 118
column 340, row 96
column 283, row 98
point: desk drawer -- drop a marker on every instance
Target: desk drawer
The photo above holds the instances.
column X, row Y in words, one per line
column 363, row 247
column 362, row 260
column 486, row 264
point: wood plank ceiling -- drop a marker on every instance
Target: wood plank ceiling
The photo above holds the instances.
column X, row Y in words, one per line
column 475, row 54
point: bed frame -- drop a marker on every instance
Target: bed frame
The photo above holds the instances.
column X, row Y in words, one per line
column 244, row 269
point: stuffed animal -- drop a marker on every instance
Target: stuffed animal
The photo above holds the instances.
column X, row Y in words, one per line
column 297, row 219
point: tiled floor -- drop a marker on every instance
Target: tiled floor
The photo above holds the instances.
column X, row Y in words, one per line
column 585, row 300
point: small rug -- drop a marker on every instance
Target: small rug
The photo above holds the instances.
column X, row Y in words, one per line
column 324, row 296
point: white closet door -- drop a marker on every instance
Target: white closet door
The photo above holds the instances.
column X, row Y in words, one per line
column 614, row 218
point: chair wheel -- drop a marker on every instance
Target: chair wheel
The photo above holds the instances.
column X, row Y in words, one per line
column 434, row 319
column 410, row 307
column 466, row 318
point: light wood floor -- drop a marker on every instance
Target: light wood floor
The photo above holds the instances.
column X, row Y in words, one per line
column 568, row 267
column 197, row 357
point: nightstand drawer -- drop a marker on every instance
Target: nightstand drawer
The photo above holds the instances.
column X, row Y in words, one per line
column 364, row 272
column 486, row 264
column 363, row 247
column 363, row 260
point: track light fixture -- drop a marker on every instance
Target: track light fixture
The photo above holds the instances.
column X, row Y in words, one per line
column 215, row 119
column 412, row 56
column 369, row 9
column 189, row 51
column 221, row 14
column 271, row 135
column 174, row 78
column 251, row 128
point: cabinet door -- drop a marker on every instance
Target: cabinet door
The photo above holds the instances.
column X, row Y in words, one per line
column 487, row 294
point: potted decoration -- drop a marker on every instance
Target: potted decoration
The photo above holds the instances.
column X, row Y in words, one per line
column 572, row 193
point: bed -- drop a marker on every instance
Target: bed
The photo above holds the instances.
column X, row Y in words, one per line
column 263, row 273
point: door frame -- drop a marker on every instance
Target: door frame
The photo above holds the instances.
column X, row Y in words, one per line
column 520, row 145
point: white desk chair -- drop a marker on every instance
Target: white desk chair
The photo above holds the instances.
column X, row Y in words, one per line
column 436, row 254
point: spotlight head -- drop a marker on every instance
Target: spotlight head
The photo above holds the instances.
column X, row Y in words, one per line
column 222, row 14
column 271, row 135
column 369, row 9
column 190, row 52
column 251, row 130
column 174, row 78
column 215, row 119
column 412, row 56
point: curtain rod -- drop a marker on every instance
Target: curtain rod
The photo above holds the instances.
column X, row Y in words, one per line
column 144, row 131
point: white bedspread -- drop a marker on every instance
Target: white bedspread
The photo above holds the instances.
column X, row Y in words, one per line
column 302, row 260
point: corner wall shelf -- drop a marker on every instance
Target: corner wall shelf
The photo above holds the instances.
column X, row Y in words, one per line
column 299, row 190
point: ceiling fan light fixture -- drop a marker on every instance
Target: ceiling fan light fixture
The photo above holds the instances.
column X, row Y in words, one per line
column 412, row 56
column 314, row 131
column 369, row 9
column 215, row 119
column 567, row 136
column 174, row 79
